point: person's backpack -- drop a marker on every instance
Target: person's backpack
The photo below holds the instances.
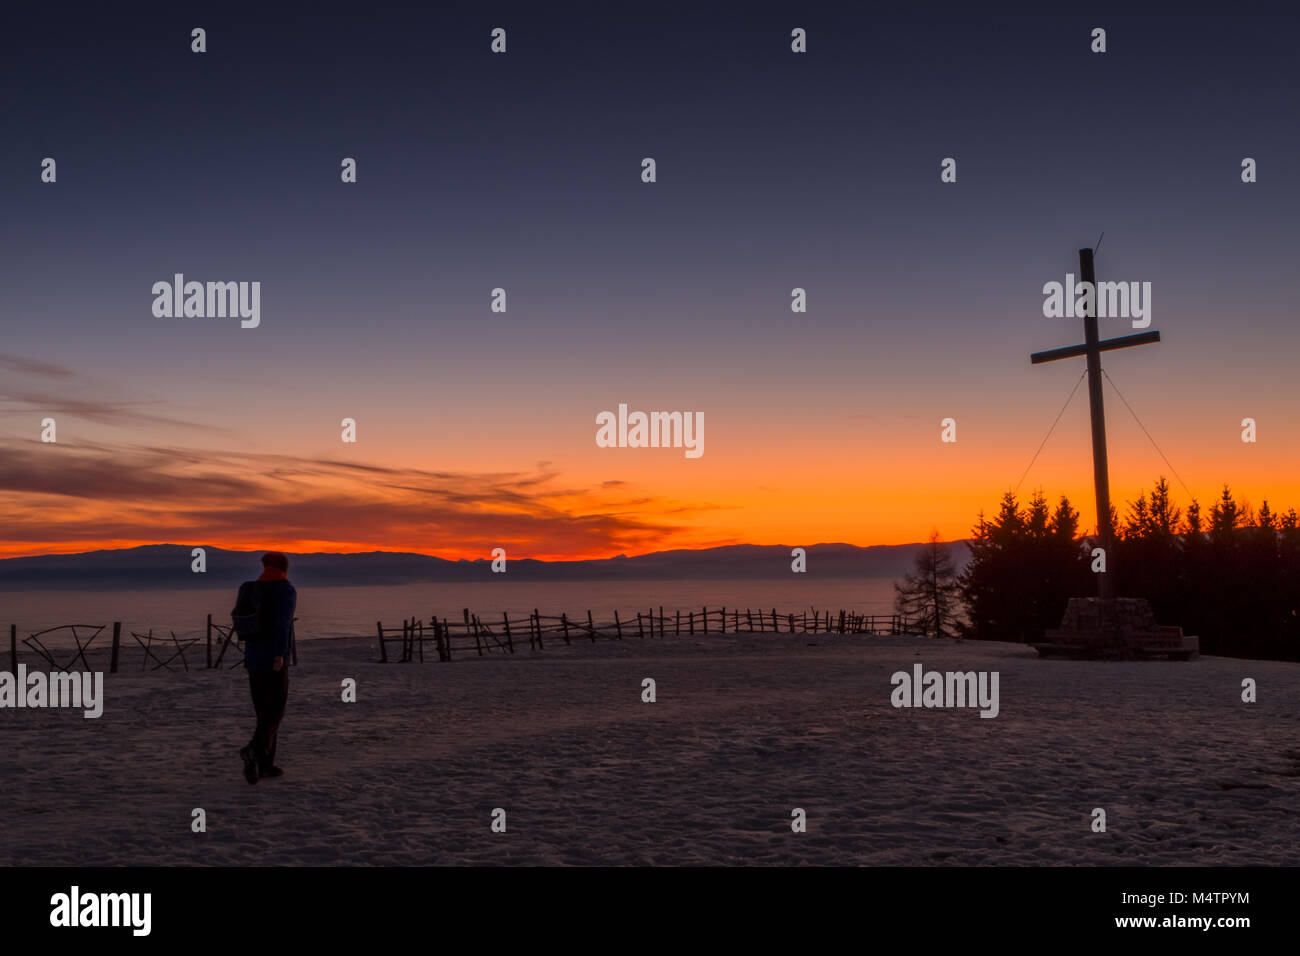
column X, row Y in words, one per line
column 250, row 617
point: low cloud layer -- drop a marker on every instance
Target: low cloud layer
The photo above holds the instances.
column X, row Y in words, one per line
column 56, row 493
column 66, row 496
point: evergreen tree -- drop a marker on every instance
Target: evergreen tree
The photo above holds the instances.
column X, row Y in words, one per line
column 929, row 598
column 1148, row 553
column 1025, row 565
column 1230, row 576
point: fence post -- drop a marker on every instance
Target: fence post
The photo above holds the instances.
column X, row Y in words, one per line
column 705, row 618
column 690, row 622
column 641, row 627
column 724, row 619
column 117, row 643
column 618, row 626
column 678, row 629
column 510, row 642
column 791, row 623
column 750, row 618
column 538, row 616
column 564, row 620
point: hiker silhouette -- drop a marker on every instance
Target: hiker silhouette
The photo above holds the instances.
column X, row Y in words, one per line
column 263, row 618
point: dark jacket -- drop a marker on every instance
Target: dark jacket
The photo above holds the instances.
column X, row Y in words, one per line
column 278, row 602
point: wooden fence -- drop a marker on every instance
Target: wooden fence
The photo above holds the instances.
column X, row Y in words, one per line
column 83, row 635
column 480, row 636
column 473, row 634
column 153, row 646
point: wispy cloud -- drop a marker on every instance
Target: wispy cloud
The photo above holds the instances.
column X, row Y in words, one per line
column 16, row 363
column 54, row 493
column 91, row 493
column 38, row 386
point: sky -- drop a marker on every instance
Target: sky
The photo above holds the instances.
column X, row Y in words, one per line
column 523, row 171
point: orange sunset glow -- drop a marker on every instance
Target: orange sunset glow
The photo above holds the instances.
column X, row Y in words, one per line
column 892, row 486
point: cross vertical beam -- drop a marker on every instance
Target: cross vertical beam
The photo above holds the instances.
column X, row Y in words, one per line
column 1092, row 348
column 1097, row 409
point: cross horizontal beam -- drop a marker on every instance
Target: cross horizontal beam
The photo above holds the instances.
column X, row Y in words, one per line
column 1105, row 345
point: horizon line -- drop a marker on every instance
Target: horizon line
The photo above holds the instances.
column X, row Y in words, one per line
column 427, row 554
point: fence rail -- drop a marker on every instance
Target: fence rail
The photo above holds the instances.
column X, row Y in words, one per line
column 472, row 634
column 153, row 646
column 484, row 636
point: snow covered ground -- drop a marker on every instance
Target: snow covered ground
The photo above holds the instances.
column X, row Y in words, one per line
column 744, row 730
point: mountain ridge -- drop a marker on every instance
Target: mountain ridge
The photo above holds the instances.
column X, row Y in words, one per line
column 169, row 566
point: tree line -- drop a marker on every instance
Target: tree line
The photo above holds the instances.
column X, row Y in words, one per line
column 1230, row 576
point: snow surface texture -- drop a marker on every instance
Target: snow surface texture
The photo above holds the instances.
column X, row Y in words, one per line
column 745, row 729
